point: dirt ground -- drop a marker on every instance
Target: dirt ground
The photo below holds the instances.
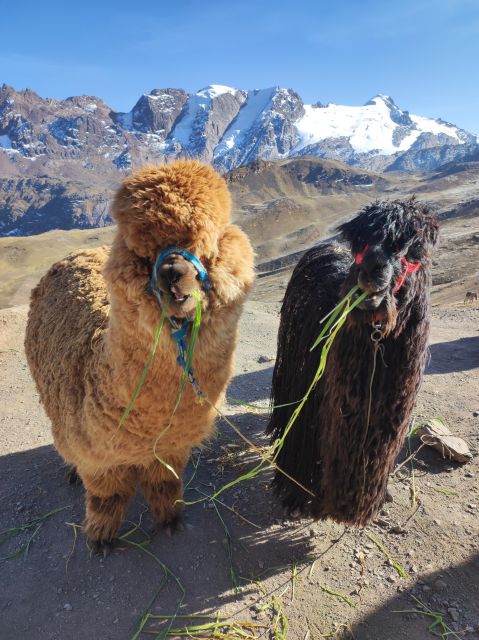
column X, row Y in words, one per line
column 240, row 558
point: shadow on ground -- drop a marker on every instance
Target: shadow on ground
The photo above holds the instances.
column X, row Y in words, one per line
column 456, row 355
column 54, row 589
column 439, row 593
column 253, row 386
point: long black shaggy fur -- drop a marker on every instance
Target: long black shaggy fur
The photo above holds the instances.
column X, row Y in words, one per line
column 331, row 449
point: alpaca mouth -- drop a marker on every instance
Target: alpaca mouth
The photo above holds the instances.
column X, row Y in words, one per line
column 178, row 298
column 373, row 300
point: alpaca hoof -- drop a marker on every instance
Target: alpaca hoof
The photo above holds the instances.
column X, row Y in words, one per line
column 101, row 548
column 174, row 526
column 72, row 476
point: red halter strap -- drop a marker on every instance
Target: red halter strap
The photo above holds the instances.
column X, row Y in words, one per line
column 407, row 268
column 358, row 258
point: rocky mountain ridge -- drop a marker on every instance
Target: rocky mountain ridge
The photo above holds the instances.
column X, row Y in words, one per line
column 78, row 148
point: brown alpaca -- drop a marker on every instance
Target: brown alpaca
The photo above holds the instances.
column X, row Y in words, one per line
column 346, row 439
column 90, row 332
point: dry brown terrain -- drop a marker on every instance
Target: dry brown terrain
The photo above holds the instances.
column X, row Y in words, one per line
column 240, row 557
column 226, row 565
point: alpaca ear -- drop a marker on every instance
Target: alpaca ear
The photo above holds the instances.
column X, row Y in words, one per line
column 232, row 271
column 350, row 232
column 431, row 232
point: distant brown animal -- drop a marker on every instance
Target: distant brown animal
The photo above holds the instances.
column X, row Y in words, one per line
column 347, row 436
column 471, row 296
column 90, row 332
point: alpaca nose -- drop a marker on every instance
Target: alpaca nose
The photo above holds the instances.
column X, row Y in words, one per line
column 373, row 275
column 170, row 272
column 366, row 283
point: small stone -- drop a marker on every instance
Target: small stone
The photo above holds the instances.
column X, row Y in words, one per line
column 67, row 607
column 472, row 505
column 469, row 474
column 412, row 569
column 312, row 533
column 391, row 579
column 116, row 620
column 454, row 613
column 263, row 359
column 397, row 529
column 439, row 585
column 436, row 521
column 475, row 414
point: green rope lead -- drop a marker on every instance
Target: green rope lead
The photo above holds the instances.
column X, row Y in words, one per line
column 142, row 379
column 184, row 378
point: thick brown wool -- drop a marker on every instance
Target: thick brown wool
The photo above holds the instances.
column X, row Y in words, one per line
column 331, row 449
column 90, row 332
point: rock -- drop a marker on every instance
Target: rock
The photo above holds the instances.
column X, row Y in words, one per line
column 397, row 529
column 439, row 585
column 67, row 607
column 454, row 613
column 434, row 433
column 469, row 474
column 382, row 522
column 263, row 359
column 475, row 414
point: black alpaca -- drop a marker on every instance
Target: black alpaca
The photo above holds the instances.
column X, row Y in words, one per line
column 333, row 449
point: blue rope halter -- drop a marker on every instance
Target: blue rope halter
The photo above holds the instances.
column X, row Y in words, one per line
column 180, row 333
column 172, row 249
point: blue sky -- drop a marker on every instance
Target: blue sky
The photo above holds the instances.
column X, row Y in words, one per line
column 424, row 53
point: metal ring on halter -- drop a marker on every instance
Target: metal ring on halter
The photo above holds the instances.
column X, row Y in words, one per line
column 377, row 333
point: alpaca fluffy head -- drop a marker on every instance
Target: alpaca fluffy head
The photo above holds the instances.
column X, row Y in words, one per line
column 185, row 203
column 390, row 242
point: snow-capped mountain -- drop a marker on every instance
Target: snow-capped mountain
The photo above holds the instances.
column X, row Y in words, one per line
column 226, row 126
column 79, row 145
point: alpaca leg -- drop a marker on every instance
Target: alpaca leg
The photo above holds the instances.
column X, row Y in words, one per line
column 107, row 496
column 72, row 475
column 162, row 490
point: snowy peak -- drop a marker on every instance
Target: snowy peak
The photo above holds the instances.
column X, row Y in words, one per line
column 380, row 98
column 379, row 127
column 203, row 121
column 264, row 128
column 215, row 90
column 226, row 126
